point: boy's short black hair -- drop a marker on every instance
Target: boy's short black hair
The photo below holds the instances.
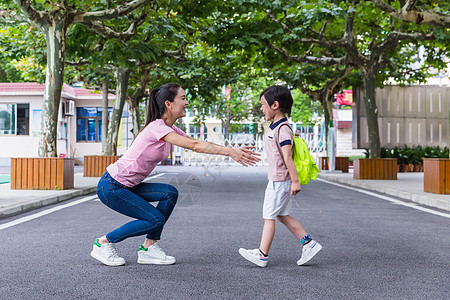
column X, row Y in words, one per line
column 281, row 94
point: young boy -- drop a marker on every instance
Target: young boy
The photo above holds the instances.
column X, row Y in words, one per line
column 276, row 102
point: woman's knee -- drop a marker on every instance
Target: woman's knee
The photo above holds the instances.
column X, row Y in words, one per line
column 173, row 193
column 157, row 220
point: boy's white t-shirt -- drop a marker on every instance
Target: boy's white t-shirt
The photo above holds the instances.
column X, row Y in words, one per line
column 277, row 169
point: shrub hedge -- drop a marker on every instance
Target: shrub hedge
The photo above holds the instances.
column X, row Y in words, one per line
column 412, row 155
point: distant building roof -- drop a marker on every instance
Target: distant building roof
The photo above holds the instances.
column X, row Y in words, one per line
column 34, row 88
column 19, row 87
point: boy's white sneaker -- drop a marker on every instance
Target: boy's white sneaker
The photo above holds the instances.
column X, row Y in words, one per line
column 154, row 255
column 254, row 256
column 308, row 252
column 107, row 254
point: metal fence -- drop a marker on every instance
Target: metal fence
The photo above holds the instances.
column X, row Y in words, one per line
column 316, row 145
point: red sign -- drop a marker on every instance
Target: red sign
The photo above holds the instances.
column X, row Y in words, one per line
column 345, row 98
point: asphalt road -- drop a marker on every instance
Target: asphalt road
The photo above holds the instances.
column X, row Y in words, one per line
column 372, row 249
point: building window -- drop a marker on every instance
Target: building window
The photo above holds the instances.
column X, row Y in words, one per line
column 89, row 124
column 15, row 119
column 23, row 119
column 196, row 132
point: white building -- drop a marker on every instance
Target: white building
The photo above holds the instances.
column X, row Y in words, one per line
column 79, row 129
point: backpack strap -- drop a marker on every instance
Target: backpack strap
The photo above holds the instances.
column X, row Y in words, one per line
column 275, row 136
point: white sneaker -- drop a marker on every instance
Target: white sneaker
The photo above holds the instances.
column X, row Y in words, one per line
column 308, row 252
column 254, row 256
column 107, row 254
column 154, row 255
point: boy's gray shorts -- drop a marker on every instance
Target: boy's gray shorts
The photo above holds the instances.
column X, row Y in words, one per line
column 277, row 200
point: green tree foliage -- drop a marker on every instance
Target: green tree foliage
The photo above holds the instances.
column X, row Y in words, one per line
column 336, row 35
column 22, row 52
column 317, row 47
column 206, row 75
column 53, row 18
column 304, row 110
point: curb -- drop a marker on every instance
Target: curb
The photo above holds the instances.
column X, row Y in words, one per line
column 45, row 201
column 423, row 200
column 30, row 205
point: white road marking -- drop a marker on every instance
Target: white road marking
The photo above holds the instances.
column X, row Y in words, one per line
column 392, row 200
column 156, row 176
column 45, row 212
column 49, row 211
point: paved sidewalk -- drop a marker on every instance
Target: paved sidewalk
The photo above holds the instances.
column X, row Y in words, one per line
column 14, row 202
column 408, row 186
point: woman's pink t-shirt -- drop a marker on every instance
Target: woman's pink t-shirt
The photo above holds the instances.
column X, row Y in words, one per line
column 146, row 151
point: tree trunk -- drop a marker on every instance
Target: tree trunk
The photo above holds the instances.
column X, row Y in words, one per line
column 226, row 128
column 104, row 114
column 133, row 103
column 328, row 110
column 369, row 77
column 227, row 131
column 134, row 100
column 325, row 105
column 122, row 76
column 55, row 35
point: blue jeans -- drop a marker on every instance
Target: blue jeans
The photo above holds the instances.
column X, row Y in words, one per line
column 134, row 202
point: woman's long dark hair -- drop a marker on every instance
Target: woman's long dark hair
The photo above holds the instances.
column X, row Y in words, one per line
column 156, row 101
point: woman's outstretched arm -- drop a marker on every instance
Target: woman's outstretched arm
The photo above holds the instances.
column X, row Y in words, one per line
column 242, row 155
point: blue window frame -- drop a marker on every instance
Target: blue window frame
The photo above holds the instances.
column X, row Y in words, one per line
column 89, row 124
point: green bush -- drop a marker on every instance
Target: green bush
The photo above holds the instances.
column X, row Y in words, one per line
column 435, row 152
column 415, row 154
column 411, row 155
column 352, row 158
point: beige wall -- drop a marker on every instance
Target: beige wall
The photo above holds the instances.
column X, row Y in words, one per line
column 21, row 145
column 27, row 146
column 412, row 116
column 344, row 143
column 215, row 137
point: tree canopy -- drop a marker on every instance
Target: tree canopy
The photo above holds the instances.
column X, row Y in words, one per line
column 315, row 47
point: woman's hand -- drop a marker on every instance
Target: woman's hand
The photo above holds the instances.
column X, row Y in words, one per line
column 244, row 155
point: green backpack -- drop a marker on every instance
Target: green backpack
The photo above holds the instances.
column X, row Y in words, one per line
column 304, row 162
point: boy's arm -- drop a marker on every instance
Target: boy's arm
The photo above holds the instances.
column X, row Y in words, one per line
column 286, row 150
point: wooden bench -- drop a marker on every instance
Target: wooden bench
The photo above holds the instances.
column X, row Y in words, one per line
column 375, row 168
column 95, row 165
column 341, row 163
column 49, row 173
column 436, row 175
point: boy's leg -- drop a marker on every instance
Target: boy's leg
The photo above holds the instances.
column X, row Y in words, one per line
column 273, row 202
column 260, row 256
column 293, row 225
column 310, row 246
column 276, row 201
column 267, row 236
